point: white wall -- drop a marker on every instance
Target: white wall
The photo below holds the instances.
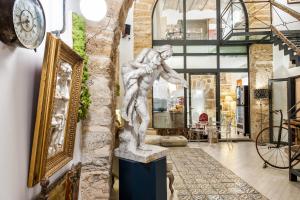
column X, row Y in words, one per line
column 126, row 52
column 281, row 63
column 126, row 44
column 20, row 71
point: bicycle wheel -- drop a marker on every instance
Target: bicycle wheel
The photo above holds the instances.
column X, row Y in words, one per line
column 273, row 151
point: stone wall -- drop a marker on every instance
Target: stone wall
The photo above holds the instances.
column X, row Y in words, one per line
column 259, row 15
column 142, row 29
column 261, row 67
column 98, row 130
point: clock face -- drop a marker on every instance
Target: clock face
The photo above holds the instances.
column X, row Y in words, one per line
column 29, row 22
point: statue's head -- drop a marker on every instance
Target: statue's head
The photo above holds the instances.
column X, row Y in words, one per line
column 165, row 51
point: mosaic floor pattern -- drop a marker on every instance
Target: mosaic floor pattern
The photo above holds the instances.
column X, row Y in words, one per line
column 199, row 176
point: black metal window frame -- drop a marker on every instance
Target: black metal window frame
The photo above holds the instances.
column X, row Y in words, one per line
column 217, row 71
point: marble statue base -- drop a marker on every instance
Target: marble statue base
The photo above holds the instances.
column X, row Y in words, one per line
column 152, row 153
column 143, row 181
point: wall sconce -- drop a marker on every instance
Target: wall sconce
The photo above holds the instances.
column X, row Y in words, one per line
column 260, row 94
column 93, row 10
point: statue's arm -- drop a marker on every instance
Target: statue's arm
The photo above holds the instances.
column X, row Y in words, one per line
column 138, row 62
column 172, row 76
column 143, row 69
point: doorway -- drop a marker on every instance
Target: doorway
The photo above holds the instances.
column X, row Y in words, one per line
column 203, row 96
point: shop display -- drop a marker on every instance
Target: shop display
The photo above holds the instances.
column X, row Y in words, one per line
column 64, row 188
column 22, row 23
column 56, row 118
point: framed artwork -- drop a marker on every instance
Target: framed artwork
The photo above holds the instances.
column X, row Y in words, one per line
column 56, row 117
column 293, row 1
column 64, row 188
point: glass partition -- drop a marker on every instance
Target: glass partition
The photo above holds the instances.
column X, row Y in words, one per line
column 175, row 62
column 168, row 104
column 201, row 49
column 201, row 62
column 176, row 48
column 233, row 49
column 228, row 96
column 235, row 61
column 279, row 97
column 190, row 26
column 203, row 97
column 201, row 23
column 168, row 20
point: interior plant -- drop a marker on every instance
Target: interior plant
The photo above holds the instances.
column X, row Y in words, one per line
column 79, row 46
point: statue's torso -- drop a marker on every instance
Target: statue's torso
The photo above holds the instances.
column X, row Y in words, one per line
column 146, row 82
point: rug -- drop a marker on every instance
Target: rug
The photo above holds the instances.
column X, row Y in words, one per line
column 200, row 176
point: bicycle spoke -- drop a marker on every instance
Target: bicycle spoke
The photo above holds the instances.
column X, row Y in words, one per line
column 271, row 156
column 281, row 158
column 267, row 152
column 276, row 157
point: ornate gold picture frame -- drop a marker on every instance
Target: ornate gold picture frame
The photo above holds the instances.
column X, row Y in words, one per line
column 56, row 117
column 64, row 188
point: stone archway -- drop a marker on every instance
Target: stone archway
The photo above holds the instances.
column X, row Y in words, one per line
column 98, row 129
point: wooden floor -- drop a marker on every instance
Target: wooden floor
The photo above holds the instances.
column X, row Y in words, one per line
column 243, row 160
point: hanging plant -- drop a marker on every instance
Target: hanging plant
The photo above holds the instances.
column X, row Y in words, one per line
column 79, row 44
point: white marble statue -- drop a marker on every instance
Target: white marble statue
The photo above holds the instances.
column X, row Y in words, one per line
column 57, row 140
column 63, row 81
column 60, row 108
column 138, row 77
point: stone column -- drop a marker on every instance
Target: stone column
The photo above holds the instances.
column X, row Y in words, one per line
column 98, row 130
column 142, row 29
column 261, row 70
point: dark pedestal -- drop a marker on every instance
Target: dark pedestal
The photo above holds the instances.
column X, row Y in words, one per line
column 143, row 181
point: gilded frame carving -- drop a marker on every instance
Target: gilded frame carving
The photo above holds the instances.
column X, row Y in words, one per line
column 56, row 54
column 65, row 187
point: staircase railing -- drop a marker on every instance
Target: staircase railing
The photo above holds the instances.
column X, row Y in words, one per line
column 285, row 40
column 286, row 9
column 284, row 18
column 288, row 23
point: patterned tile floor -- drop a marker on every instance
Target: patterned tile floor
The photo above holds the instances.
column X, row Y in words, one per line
column 199, row 176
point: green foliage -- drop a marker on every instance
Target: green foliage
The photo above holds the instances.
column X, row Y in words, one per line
column 79, row 45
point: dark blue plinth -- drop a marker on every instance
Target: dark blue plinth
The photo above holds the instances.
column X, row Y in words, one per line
column 143, row 181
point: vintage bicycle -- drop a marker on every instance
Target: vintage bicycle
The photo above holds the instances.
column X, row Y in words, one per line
column 272, row 143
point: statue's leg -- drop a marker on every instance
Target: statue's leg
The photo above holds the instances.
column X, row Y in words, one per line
column 141, row 108
column 128, row 98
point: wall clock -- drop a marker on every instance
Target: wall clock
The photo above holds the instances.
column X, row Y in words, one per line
column 22, row 23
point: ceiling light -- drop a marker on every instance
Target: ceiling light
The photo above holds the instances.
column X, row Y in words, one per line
column 93, row 10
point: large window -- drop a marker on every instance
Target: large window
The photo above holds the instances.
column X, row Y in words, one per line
column 201, row 56
column 168, row 20
column 201, row 23
column 168, row 104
